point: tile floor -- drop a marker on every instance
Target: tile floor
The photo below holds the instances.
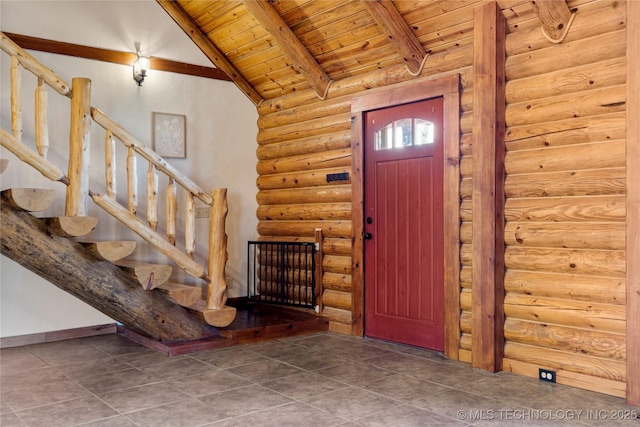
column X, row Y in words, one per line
column 324, row 379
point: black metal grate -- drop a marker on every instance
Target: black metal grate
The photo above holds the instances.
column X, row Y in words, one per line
column 282, row 273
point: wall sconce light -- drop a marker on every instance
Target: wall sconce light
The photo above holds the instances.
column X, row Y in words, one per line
column 140, row 68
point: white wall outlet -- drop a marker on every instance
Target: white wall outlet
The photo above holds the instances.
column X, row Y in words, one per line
column 202, row 212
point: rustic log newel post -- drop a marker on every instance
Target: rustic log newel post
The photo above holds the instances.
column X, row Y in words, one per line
column 217, row 288
column 79, row 150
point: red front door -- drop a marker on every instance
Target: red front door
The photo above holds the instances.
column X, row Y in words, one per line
column 403, row 224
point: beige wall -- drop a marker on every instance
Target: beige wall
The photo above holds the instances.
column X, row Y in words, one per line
column 221, row 129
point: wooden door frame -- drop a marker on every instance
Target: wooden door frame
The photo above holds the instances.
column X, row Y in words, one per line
column 447, row 87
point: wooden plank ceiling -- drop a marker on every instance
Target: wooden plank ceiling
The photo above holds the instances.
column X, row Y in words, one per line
column 271, row 48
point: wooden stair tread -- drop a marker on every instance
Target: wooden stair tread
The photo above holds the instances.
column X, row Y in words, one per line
column 150, row 276
column 111, row 250
column 29, row 199
column 3, row 164
column 72, row 226
column 218, row 318
column 183, row 295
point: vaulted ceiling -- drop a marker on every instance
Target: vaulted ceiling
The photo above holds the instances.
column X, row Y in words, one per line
column 271, row 48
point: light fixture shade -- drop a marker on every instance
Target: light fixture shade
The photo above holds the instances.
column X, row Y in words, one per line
column 140, row 68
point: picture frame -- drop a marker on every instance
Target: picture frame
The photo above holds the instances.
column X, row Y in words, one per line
column 169, row 135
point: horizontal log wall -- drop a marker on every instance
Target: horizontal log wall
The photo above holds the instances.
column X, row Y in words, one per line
column 565, row 206
column 302, row 139
column 564, row 186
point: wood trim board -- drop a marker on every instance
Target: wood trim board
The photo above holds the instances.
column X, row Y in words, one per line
column 114, row 56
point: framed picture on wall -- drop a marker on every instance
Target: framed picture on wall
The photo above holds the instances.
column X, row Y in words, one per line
column 169, row 135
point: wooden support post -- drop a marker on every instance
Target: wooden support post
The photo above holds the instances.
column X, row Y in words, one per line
column 319, row 272
column 110, row 164
column 79, row 148
column 42, row 123
column 132, row 181
column 16, row 99
column 633, row 203
column 190, row 226
column 217, row 288
column 152, row 197
column 488, row 188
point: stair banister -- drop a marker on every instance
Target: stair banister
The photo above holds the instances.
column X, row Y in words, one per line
column 214, row 310
column 32, row 64
column 129, row 140
column 21, row 151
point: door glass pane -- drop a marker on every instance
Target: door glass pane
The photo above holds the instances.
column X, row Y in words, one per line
column 402, row 138
column 384, row 137
column 423, row 132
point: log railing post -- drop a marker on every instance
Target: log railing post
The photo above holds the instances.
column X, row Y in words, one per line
column 217, row 288
column 16, row 99
column 42, row 125
column 172, row 211
column 319, row 272
column 78, row 189
column 132, row 181
column 110, row 164
column 152, row 196
column 190, row 226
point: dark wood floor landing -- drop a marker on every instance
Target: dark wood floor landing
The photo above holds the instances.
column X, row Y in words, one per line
column 254, row 322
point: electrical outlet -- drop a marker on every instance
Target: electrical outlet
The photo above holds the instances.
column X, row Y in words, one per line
column 202, row 212
column 546, row 375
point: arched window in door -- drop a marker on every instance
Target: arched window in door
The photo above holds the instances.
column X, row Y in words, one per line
column 404, row 133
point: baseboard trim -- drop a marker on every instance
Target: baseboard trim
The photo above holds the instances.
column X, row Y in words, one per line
column 66, row 334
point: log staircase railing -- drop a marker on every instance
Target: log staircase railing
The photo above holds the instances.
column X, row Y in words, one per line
column 82, row 113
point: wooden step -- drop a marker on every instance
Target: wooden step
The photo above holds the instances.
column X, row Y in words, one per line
column 183, row 295
column 111, row 250
column 72, row 226
column 218, row 318
column 3, row 164
column 29, row 199
column 150, row 276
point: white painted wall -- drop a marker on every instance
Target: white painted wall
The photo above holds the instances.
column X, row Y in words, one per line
column 221, row 134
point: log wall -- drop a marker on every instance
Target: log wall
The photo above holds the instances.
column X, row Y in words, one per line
column 564, row 185
column 564, row 210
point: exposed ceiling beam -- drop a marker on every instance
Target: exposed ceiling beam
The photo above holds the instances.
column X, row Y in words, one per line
column 208, row 48
column 400, row 35
column 113, row 56
column 555, row 17
column 301, row 58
